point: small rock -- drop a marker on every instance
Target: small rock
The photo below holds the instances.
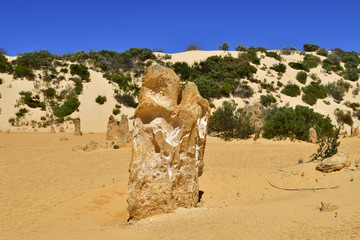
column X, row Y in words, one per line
column 328, row 207
column 312, row 135
column 334, row 163
column 64, row 138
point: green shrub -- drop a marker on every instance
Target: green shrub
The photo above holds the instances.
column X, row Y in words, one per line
column 207, row 87
column 4, row 64
column 23, row 72
column 273, row 55
column 328, row 146
column 70, row 105
column 267, row 100
column 351, row 64
column 193, row 46
column 241, row 48
column 116, row 111
column 183, row 69
column 64, row 70
column 280, row 68
column 295, row 123
column 311, row 60
column 332, row 63
column 35, row 60
column 299, row 66
column 353, row 105
column 301, row 77
column 291, row 90
column 49, row 92
column 100, row 99
column 313, row 92
column 243, row 91
column 126, row 99
column 351, row 74
column 1, row 81
column 31, row 101
column 81, row 71
column 337, row 89
column 225, row 46
column 310, row 47
column 229, row 122
column 21, row 113
column 322, row 52
column 343, row 117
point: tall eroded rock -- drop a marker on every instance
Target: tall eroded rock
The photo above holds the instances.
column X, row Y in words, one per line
column 77, row 131
column 256, row 113
column 169, row 143
column 124, row 128
column 312, row 138
column 113, row 130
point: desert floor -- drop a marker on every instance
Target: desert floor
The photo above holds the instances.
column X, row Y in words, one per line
column 48, row 191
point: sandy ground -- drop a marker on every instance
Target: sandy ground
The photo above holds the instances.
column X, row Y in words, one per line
column 48, row 191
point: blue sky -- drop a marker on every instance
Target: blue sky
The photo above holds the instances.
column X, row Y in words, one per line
column 67, row 26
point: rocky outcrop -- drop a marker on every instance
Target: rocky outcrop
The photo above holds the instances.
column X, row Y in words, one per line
column 256, row 114
column 334, row 163
column 354, row 132
column 312, row 138
column 118, row 131
column 77, row 131
column 113, row 130
column 168, row 148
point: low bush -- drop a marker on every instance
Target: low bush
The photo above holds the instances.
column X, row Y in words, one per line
column 295, row 123
column 241, row 48
column 116, row 111
column 229, row 122
column 126, row 99
column 80, row 70
column 207, row 87
column 23, row 72
column 322, row 52
column 328, row 146
column 21, row 113
column 351, row 74
column 193, row 46
column 67, row 108
column 332, row 63
column 310, row 47
column 49, row 92
column 31, row 101
column 100, row 99
column 353, row 105
column 343, row 117
column 243, row 91
column 280, row 68
column 291, row 90
column 35, row 60
column 337, row 89
column 183, row 70
column 4, row 64
column 273, row 55
column 313, row 92
column 267, row 100
column 225, row 46
column 301, row 77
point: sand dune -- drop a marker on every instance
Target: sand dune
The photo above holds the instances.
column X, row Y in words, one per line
column 50, row 192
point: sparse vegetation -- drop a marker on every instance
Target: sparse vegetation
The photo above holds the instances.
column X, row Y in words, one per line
column 67, row 108
column 193, row 46
column 31, row 101
column 328, row 147
column 343, row 117
column 225, row 46
column 126, row 99
column 322, row 52
column 280, row 68
column 80, row 70
column 310, row 47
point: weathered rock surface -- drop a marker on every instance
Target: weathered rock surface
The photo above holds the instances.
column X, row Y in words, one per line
column 91, row 146
column 168, row 148
column 113, row 129
column 354, row 132
column 77, row 131
column 52, row 129
column 312, row 138
column 124, row 128
column 328, row 207
column 62, row 129
column 256, row 113
column 334, row 163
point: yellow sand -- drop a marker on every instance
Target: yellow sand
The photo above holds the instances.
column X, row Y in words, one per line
column 47, row 191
